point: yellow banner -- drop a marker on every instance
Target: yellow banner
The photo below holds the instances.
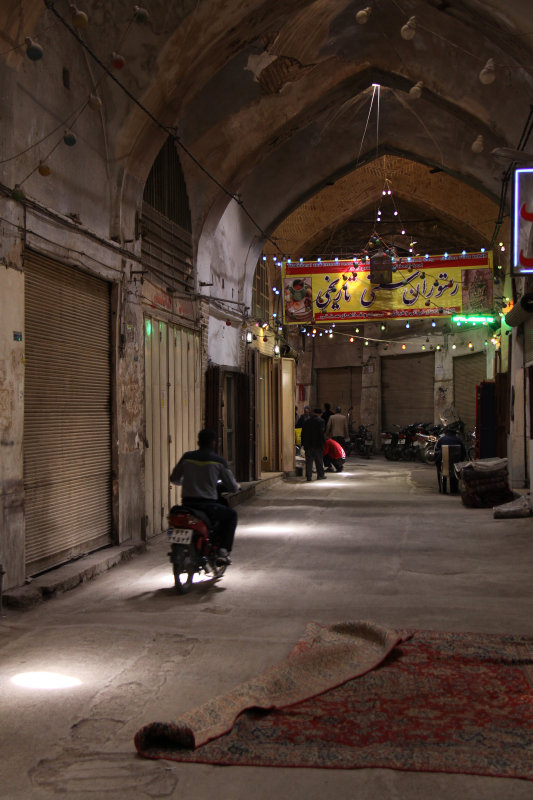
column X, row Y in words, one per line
column 339, row 291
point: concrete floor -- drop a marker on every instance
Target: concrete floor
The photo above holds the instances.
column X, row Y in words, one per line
column 375, row 542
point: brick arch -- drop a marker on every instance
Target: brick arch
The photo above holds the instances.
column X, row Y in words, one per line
column 459, row 204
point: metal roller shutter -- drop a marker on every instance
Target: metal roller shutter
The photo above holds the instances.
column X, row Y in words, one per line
column 468, row 372
column 67, row 413
column 340, row 386
column 407, row 389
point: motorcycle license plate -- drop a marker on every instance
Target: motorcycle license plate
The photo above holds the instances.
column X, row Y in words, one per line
column 180, row 535
column 387, row 441
column 401, row 441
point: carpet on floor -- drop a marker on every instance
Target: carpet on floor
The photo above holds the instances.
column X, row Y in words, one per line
column 357, row 695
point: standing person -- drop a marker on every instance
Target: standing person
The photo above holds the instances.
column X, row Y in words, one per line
column 200, row 472
column 334, row 456
column 313, row 439
column 327, row 413
column 303, row 417
column 337, row 427
column 449, row 437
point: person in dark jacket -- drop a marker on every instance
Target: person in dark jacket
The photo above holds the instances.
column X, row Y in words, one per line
column 449, row 437
column 200, row 473
column 303, row 417
column 327, row 413
column 313, row 440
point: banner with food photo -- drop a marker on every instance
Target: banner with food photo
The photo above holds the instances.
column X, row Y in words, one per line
column 342, row 290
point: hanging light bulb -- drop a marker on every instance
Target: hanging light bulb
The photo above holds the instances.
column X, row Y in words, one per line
column 140, row 14
column 118, row 61
column 94, row 102
column 409, row 29
column 363, row 15
column 478, row 144
column 351, row 339
column 79, row 18
column 69, row 138
column 488, row 73
column 416, row 90
column 17, row 193
column 44, row 169
column 34, row 51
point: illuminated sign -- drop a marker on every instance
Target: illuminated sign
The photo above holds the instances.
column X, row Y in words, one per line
column 427, row 286
column 523, row 221
column 474, row 319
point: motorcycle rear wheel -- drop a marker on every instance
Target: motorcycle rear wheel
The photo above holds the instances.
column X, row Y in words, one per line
column 183, row 567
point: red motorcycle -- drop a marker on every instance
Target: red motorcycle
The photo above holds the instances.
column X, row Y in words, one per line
column 192, row 547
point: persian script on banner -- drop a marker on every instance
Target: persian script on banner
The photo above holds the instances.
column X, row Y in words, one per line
column 341, row 291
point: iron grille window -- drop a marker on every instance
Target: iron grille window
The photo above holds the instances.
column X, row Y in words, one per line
column 166, row 190
column 166, row 221
column 260, row 296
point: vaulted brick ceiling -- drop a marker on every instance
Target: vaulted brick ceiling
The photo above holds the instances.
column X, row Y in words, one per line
column 274, row 99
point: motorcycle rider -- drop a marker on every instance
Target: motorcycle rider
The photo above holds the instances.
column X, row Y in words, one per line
column 200, row 473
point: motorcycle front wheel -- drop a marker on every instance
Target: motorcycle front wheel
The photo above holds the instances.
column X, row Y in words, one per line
column 184, row 567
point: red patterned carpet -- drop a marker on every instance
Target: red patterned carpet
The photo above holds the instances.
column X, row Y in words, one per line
column 435, row 702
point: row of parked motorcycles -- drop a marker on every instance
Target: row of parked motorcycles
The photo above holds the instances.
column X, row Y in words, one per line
column 417, row 442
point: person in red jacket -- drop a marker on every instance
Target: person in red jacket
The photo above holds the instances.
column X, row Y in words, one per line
column 334, row 456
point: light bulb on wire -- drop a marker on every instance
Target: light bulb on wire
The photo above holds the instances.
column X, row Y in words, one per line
column 488, row 73
column 363, row 15
column 478, row 144
column 408, row 30
column 79, row 18
column 34, row 51
column 416, row 90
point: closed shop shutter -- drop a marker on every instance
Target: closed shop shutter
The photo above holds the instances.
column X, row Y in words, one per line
column 67, row 413
column 340, row 386
column 173, row 392
column 407, row 389
column 468, row 372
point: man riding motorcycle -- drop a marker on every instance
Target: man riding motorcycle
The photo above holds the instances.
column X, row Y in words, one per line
column 200, row 473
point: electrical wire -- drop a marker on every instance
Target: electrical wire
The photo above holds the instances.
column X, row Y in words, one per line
column 168, row 130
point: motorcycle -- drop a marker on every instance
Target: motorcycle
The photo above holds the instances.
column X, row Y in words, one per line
column 427, row 447
column 392, row 444
column 193, row 549
column 362, row 441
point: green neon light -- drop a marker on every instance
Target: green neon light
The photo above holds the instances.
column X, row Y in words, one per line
column 148, row 327
column 472, row 319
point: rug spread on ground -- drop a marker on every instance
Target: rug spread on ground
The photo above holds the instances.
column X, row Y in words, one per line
column 358, row 695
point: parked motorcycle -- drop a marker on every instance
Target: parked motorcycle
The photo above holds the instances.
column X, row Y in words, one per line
column 427, row 447
column 192, row 547
column 392, row 443
column 362, row 442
